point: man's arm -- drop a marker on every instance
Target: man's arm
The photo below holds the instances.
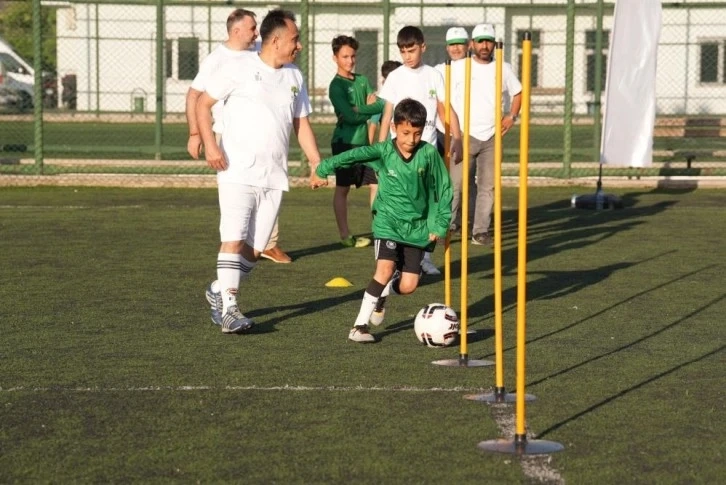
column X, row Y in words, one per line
column 455, row 152
column 212, row 153
column 194, row 143
column 508, row 119
column 306, row 139
column 385, row 122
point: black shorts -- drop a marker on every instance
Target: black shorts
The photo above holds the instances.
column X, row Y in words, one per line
column 407, row 258
column 357, row 175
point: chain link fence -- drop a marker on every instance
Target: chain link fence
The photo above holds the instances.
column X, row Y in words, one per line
column 108, row 95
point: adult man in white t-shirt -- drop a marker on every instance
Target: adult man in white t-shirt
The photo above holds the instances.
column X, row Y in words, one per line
column 265, row 98
column 416, row 80
column 457, row 46
column 481, row 120
column 241, row 32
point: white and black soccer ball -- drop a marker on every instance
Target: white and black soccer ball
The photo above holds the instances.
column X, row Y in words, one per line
column 436, row 325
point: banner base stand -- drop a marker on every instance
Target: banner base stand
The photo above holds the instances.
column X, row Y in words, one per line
column 597, row 201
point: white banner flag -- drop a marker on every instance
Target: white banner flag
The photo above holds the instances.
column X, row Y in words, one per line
column 629, row 111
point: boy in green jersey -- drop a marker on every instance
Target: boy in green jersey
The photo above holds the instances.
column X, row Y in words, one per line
column 412, row 210
column 349, row 94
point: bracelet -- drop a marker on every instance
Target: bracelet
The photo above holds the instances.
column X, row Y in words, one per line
column 193, row 134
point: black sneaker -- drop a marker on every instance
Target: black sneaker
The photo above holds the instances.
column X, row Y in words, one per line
column 481, row 239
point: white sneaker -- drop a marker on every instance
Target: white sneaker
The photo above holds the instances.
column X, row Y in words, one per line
column 360, row 334
column 429, row 268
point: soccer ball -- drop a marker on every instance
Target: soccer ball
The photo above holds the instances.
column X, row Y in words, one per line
column 436, row 325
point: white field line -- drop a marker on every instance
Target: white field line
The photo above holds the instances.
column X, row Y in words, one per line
column 71, row 207
column 536, row 467
column 243, row 388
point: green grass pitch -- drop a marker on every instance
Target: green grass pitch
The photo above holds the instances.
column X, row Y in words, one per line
column 110, row 370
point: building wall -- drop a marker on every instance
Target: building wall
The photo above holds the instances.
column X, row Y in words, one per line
column 111, row 49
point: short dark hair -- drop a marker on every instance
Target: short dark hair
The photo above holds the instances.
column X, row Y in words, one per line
column 388, row 67
column 412, row 111
column 236, row 16
column 409, row 36
column 342, row 40
column 274, row 20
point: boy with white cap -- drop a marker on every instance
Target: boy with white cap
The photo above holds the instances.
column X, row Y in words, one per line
column 482, row 122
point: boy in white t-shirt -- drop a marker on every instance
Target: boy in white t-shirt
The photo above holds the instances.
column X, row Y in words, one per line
column 265, row 98
column 425, row 84
column 481, row 121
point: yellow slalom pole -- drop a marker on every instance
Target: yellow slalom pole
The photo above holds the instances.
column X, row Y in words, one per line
column 447, row 162
column 463, row 320
column 520, row 445
column 498, row 333
column 463, row 360
column 520, row 425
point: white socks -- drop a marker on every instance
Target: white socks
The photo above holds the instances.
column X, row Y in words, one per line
column 231, row 269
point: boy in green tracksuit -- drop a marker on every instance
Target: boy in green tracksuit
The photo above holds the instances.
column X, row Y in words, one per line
column 350, row 95
column 412, row 210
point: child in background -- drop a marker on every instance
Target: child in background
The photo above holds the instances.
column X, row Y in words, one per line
column 425, row 84
column 349, row 93
column 412, row 210
column 375, row 120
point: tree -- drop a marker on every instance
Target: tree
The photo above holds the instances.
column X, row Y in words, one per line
column 16, row 21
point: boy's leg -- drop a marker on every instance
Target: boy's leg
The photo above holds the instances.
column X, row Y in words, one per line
column 386, row 255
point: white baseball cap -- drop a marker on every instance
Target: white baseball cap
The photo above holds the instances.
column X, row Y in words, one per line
column 456, row 35
column 483, row 32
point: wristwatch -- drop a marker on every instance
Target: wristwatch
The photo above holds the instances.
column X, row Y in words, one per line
column 514, row 117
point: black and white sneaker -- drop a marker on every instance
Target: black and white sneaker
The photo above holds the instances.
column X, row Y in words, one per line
column 234, row 322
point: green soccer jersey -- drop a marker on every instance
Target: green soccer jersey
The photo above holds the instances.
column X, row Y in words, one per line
column 344, row 93
column 414, row 195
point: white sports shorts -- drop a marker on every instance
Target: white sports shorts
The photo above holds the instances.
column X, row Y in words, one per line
column 247, row 213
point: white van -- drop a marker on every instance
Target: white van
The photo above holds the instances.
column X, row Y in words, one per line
column 16, row 74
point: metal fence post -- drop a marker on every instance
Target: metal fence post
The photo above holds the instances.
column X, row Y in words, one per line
column 37, row 89
column 569, row 75
column 158, row 134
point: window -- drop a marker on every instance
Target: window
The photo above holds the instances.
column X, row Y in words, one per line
column 536, row 44
column 188, row 57
column 168, row 50
column 590, row 61
column 710, row 53
column 367, row 55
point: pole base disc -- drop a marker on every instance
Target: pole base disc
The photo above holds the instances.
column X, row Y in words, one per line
column 465, row 363
column 597, row 201
column 493, row 397
column 528, row 447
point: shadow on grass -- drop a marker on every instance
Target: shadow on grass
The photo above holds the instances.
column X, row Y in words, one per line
column 634, row 342
column 628, row 391
column 298, row 310
column 325, row 248
column 605, row 310
column 552, row 228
